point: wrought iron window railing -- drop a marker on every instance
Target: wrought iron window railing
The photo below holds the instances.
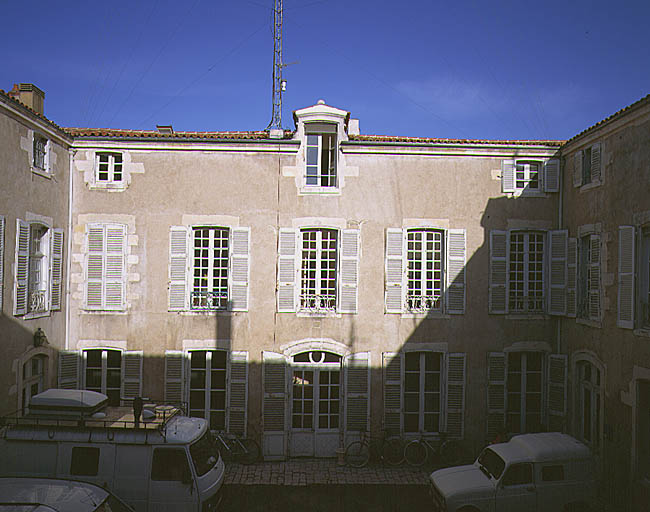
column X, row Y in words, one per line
column 37, row 301
column 526, row 304
column 423, row 303
column 208, row 301
column 314, row 303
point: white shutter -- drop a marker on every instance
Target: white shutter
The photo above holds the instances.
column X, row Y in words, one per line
column 357, row 392
column 69, row 362
column 287, row 270
column 274, row 405
column 238, row 392
column 593, row 286
column 239, row 269
column 572, row 269
column 174, row 376
column 557, row 392
column 349, row 271
column 508, row 176
column 497, row 302
column 131, row 385
column 178, row 295
column 455, row 413
column 552, row 175
column 56, row 268
column 2, row 259
column 496, row 393
column 395, row 273
column 115, row 270
column 577, row 168
column 21, row 275
column 95, row 264
column 626, row 256
column 392, row 365
column 596, row 162
column 456, row 251
column 558, row 272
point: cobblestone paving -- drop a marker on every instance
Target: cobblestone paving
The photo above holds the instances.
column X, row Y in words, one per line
column 299, row 472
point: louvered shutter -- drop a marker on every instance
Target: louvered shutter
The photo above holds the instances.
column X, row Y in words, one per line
column 2, row 259
column 552, row 175
column 557, row 391
column 596, row 163
column 577, row 168
column 455, row 414
column 572, row 269
column 357, row 392
column 395, row 273
column 496, row 393
column 498, row 271
column 287, row 270
column 69, row 362
column 508, row 176
column 238, row 386
column 115, row 282
column 178, row 256
column 95, row 255
column 594, row 277
column 131, row 385
column 456, row 251
column 56, row 269
column 274, row 405
column 22, row 267
column 239, row 269
column 626, row 256
column 174, row 377
column 558, row 272
column 349, row 271
column 392, row 365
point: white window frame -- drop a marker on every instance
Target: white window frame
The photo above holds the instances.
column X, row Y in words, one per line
column 548, row 176
column 181, row 269
column 452, row 299
column 319, row 301
column 105, row 267
column 112, row 168
column 539, row 306
column 594, row 386
column 207, row 388
column 330, row 175
column 103, row 388
column 36, row 166
column 587, row 166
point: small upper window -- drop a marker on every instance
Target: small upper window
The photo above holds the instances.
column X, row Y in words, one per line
column 109, row 168
column 587, row 166
column 528, row 175
column 40, row 153
column 321, row 149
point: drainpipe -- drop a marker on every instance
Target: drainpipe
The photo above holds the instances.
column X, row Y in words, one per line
column 71, row 153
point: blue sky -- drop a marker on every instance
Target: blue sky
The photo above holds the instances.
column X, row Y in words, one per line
column 469, row 69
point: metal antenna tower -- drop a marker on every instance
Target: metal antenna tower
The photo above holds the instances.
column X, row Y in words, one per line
column 279, row 85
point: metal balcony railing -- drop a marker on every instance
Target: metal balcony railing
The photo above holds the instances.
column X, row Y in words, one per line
column 314, row 303
column 208, row 301
column 422, row 303
column 526, row 304
column 37, row 301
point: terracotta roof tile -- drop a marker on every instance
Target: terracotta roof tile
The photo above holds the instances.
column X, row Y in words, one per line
column 426, row 140
column 32, row 111
column 154, row 134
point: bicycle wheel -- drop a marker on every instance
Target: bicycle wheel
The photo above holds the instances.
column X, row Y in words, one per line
column 393, row 451
column 250, row 451
column 415, row 453
column 450, row 453
column 357, row 454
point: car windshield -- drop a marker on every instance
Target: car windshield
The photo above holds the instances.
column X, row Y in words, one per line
column 492, row 462
column 204, row 454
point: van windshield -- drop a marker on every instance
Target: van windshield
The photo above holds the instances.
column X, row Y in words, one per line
column 492, row 462
column 204, row 454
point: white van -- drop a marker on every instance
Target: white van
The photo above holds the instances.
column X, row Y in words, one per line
column 168, row 463
column 530, row 473
column 54, row 495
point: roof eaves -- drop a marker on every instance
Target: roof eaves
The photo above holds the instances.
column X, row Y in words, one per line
column 32, row 112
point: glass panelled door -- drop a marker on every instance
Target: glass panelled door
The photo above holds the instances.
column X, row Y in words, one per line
column 315, row 404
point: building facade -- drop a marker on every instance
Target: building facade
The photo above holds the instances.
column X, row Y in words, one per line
column 304, row 286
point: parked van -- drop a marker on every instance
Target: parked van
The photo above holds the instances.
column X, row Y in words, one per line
column 54, row 495
column 166, row 463
column 530, row 473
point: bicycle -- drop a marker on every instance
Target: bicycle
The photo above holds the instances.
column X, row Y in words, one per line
column 237, row 449
column 388, row 450
column 444, row 451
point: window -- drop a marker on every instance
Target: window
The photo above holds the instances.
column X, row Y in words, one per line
column 39, row 265
column 526, row 272
column 634, row 277
column 644, row 279
column 587, row 166
column 40, row 150
column 425, row 271
column 208, row 386
column 106, row 267
column 530, row 177
column 109, row 168
column 588, row 287
column 553, row 473
column 103, row 373
column 170, row 464
column 524, row 395
column 318, row 270
column 424, row 392
column 84, row 461
column 519, row 474
column 209, row 268
column 321, row 150
column 33, row 379
column 588, row 404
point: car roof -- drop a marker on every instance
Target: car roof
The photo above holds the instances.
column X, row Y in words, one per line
column 48, row 494
column 542, row 447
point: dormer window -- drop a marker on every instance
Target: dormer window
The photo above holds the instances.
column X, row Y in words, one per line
column 321, row 155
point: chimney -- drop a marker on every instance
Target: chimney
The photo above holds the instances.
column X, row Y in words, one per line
column 167, row 129
column 30, row 96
